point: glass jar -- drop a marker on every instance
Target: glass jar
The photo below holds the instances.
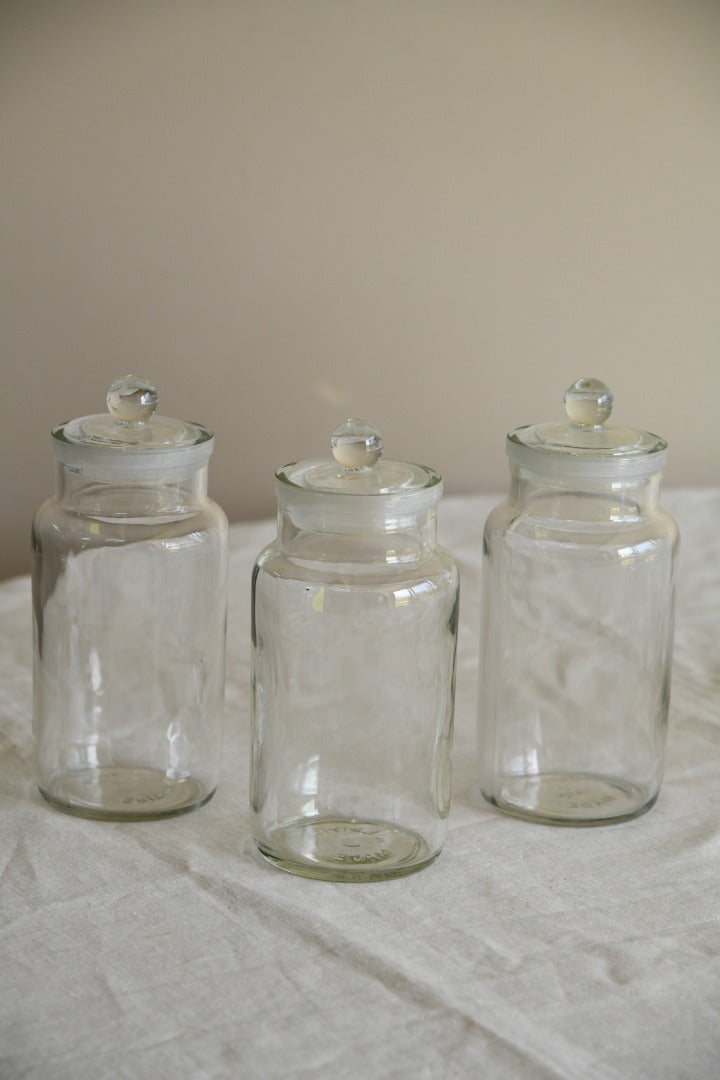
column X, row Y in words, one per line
column 577, row 621
column 354, row 633
column 129, row 600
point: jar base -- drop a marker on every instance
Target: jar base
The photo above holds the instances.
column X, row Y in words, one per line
column 575, row 799
column 124, row 793
column 346, row 849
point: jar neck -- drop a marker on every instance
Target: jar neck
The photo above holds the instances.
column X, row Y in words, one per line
column 620, row 499
column 129, row 497
column 330, row 538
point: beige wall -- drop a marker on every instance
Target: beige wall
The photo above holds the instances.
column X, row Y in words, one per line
column 433, row 213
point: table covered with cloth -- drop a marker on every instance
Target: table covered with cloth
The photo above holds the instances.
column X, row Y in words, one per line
column 170, row 948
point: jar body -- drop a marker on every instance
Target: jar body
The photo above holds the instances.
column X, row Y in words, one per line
column 353, row 692
column 577, row 626
column 129, row 602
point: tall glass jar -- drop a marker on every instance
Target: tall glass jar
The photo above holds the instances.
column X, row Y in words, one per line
column 129, row 600
column 354, row 633
column 577, row 621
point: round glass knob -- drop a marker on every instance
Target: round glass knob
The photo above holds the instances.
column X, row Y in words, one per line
column 588, row 402
column 132, row 400
column 356, row 444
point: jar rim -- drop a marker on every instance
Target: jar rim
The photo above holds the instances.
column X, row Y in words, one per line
column 585, row 462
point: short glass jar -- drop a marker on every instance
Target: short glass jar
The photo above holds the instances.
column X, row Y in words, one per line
column 129, row 603
column 577, row 621
column 354, row 636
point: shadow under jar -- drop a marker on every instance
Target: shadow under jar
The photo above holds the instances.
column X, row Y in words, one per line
column 577, row 621
column 129, row 603
column 354, row 629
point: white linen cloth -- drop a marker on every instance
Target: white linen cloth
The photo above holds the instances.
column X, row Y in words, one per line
column 171, row 949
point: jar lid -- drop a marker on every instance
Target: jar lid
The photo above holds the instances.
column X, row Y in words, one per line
column 356, row 481
column 581, row 445
column 130, row 439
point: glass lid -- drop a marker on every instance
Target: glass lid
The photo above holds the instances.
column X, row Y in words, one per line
column 356, row 467
column 357, row 478
column 582, row 444
column 130, row 437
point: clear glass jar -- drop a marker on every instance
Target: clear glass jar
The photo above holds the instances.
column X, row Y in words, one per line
column 577, row 621
column 354, row 634
column 129, row 602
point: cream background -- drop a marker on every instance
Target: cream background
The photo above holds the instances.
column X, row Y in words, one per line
column 434, row 214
